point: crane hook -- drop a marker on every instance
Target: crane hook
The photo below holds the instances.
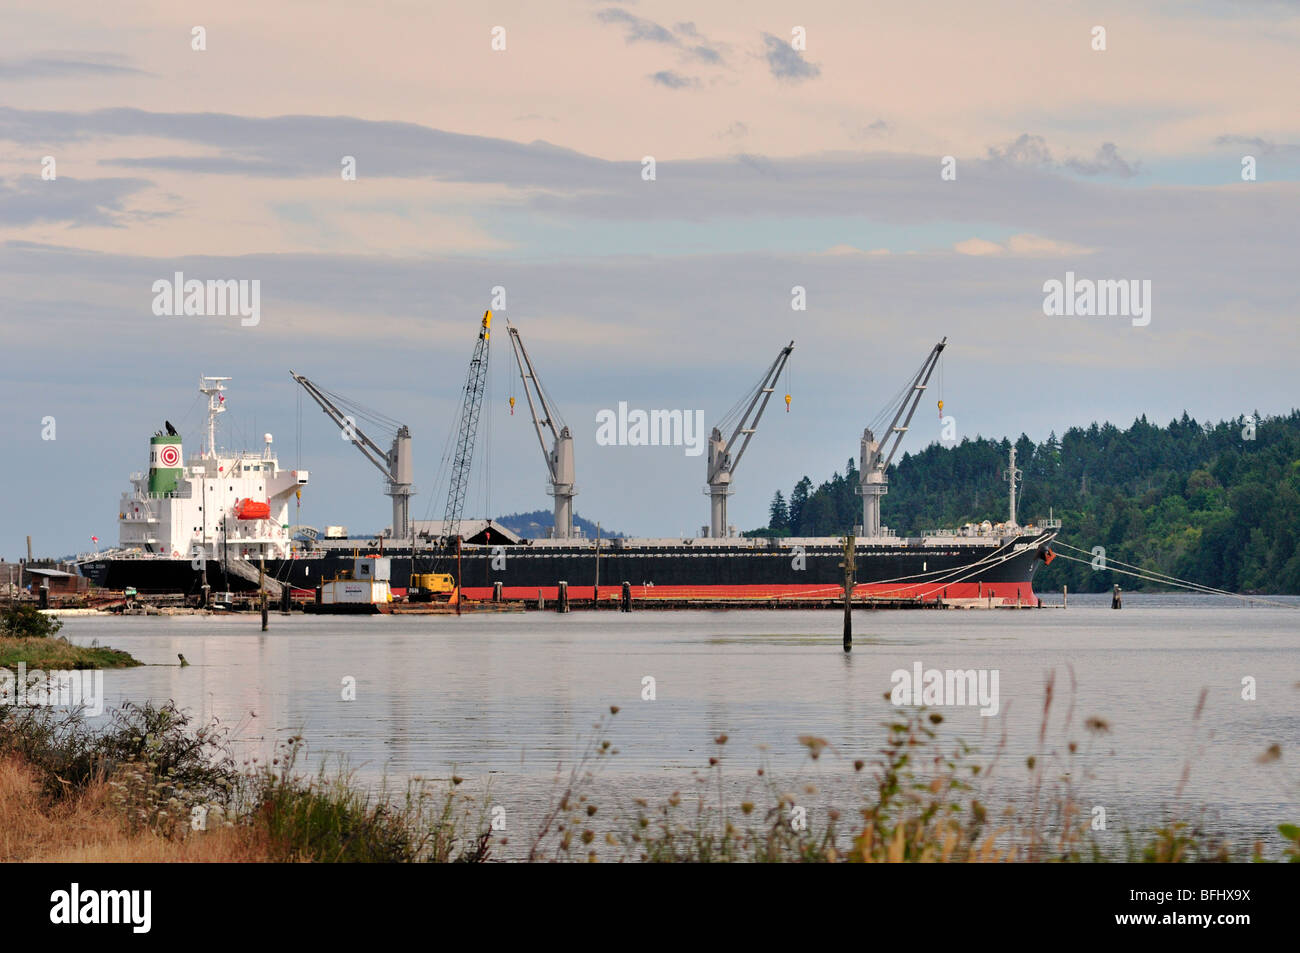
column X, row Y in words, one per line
column 787, row 403
column 512, row 406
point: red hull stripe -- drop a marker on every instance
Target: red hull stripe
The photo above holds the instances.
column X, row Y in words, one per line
column 998, row 593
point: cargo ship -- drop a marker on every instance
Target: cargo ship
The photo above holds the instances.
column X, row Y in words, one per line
column 218, row 521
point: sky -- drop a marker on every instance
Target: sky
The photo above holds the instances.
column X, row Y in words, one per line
column 917, row 170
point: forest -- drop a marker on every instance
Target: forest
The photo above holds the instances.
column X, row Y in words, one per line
column 1218, row 504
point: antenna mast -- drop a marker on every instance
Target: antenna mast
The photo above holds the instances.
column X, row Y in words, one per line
column 1012, row 475
column 213, row 387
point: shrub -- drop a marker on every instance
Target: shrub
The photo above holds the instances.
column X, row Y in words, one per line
column 22, row 620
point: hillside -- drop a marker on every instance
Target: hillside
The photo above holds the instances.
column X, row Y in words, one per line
column 1214, row 503
column 537, row 523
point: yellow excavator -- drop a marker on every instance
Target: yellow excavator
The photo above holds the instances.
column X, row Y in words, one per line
column 432, row 587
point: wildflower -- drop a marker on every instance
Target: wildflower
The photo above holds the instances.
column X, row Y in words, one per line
column 813, row 744
column 1098, row 726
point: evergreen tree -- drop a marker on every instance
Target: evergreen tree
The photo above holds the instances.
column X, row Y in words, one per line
column 798, row 499
column 778, row 513
column 1200, row 501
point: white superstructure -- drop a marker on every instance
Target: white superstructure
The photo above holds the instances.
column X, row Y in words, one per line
column 216, row 504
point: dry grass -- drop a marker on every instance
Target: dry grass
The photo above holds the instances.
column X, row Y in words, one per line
column 127, row 794
column 87, row 828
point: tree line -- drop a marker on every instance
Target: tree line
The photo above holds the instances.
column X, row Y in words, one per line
column 1218, row 504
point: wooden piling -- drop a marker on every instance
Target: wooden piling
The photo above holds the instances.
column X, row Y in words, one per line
column 849, row 564
column 562, row 602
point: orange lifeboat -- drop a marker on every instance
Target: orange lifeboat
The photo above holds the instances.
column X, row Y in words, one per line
column 252, row 510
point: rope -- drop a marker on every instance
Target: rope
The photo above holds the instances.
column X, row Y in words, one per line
column 942, row 577
column 1172, row 581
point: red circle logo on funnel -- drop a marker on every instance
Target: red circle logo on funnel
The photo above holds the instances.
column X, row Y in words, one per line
column 170, row 456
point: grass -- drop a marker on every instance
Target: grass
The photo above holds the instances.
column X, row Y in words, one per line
column 154, row 785
column 30, row 637
column 133, row 790
column 50, row 654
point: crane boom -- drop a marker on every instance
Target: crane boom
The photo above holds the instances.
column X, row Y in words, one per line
column 721, row 464
column 876, row 456
column 395, row 464
column 471, row 408
column 559, row 459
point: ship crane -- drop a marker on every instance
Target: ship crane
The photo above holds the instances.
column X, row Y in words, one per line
column 395, row 464
column 873, row 475
column 721, row 464
column 559, row 459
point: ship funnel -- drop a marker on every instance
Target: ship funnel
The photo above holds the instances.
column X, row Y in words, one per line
column 166, row 464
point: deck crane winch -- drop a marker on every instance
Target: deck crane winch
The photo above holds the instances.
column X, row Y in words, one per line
column 721, row 464
column 559, row 459
column 873, row 478
column 470, row 408
column 395, row 464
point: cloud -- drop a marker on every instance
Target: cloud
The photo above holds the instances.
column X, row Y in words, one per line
column 978, row 246
column 1022, row 246
column 1107, row 161
column 1026, row 150
column 875, row 130
column 705, row 54
column 786, row 63
column 1260, row 145
column 1030, row 151
column 533, row 192
column 854, row 250
column 636, row 29
column 32, row 200
column 695, row 47
column 673, row 80
column 52, row 66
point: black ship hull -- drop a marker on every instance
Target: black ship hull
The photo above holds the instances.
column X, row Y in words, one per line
column 952, row 568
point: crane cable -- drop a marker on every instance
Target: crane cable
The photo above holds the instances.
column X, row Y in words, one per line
column 1151, row 575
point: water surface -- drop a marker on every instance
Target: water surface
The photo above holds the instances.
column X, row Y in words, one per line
column 509, row 698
